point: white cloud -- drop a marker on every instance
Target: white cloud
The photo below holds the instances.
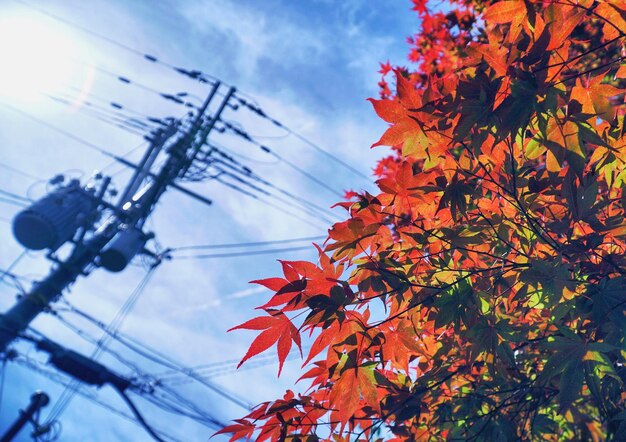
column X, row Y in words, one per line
column 255, row 34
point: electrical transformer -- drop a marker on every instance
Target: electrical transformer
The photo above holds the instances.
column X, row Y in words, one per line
column 53, row 219
column 122, row 248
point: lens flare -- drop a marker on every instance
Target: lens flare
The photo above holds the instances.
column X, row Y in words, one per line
column 35, row 58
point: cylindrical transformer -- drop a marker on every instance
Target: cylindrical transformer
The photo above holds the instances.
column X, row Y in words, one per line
column 122, row 248
column 53, row 219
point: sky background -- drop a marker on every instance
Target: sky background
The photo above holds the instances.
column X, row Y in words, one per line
column 309, row 64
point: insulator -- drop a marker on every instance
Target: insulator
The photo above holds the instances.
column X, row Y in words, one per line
column 57, row 179
column 54, row 219
column 122, row 248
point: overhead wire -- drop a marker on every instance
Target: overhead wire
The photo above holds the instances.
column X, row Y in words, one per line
column 174, row 405
column 16, row 282
column 202, row 77
column 155, row 355
column 54, row 128
column 247, row 244
column 196, row 75
column 113, row 120
column 138, row 415
column 203, row 174
column 14, row 263
column 245, row 157
column 55, row 377
column 244, row 253
column 261, row 113
column 268, row 203
column 15, row 196
column 163, row 402
column 313, row 210
column 117, row 321
column 2, row 378
column 222, row 371
column 244, row 135
column 93, row 340
column 12, row 202
column 20, row 172
column 248, row 173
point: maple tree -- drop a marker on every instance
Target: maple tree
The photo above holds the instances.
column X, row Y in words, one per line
column 481, row 293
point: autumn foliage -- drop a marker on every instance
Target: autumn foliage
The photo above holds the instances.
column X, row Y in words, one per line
column 481, row 293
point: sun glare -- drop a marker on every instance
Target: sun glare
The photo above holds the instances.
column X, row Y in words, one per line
column 35, row 59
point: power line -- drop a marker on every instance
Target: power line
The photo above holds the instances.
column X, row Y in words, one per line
column 156, row 356
column 246, row 253
column 310, row 209
column 52, row 376
column 80, row 367
column 21, row 172
column 107, row 153
column 2, row 378
column 266, row 202
column 202, row 77
column 107, row 117
column 247, row 244
column 138, row 415
column 50, row 126
column 12, row 202
column 66, row 396
column 147, row 393
column 244, row 135
column 193, row 74
column 15, row 196
column 260, row 112
column 13, row 264
column 240, row 168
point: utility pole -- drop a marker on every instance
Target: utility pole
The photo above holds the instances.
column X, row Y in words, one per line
column 120, row 236
column 38, row 400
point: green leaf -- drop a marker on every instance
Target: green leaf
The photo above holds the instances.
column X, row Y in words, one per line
column 571, row 383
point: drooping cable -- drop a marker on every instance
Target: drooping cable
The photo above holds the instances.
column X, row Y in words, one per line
column 138, row 415
column 244, row 135
column 12, row 202
column 55, row 377
column 2, row 378
column 14, row 263
column 260, row 112
column 268, row 203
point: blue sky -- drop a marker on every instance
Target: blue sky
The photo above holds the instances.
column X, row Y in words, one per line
column 310, row 64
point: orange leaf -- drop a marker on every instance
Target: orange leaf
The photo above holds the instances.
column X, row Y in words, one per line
column 241, row 429
column 505, row 12
column 274, row 284
column 344, row 396
column 389, row 110
column 260, row 323
column 277, row 328
column 261, row 343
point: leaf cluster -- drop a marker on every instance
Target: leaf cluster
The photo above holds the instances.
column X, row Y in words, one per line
column 480, row 294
